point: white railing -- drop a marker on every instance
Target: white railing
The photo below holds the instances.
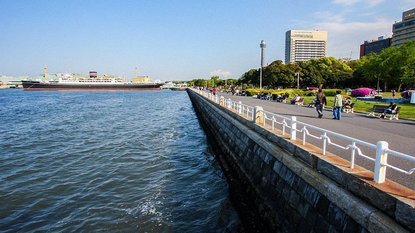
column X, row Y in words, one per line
column 290, row 126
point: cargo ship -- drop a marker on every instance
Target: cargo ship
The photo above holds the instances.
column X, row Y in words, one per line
column 69, row 82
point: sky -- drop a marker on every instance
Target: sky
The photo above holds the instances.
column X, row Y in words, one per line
column 177, row 39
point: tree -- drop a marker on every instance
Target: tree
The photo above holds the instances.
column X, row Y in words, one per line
column 393, row 67
column 250, row 77
column 408, row 69
column 214, row 81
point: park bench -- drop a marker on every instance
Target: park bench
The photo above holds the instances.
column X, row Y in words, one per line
column 377, row 110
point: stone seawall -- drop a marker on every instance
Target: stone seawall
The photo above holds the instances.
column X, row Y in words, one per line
column 295, row 190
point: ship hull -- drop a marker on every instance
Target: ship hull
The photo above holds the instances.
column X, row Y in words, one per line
column 35, row 85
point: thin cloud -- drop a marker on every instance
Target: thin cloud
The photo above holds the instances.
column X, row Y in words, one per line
column 374, row 2
column 345, row 37
column 323, row 15
column 370, row 3
column 345, row 2
column 220, row 73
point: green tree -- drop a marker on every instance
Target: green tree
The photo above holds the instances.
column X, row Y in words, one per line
column 408, row 68
column 214, row 81
column 251, row 77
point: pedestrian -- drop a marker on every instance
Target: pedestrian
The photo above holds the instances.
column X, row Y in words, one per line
column 337, row 107
column 214, row 90
column 320, row 102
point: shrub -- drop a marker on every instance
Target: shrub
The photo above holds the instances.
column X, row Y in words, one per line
column 363, row 91
column 297, row 92
column 311, row 93
column 251, row 92
column 330, row 92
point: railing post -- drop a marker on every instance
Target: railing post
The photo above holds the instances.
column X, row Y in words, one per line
column 229, row 103
column 239, row 107
column 283, row 127
column 324, row 143
column 381, row 161
column 293, row 128
column 258, row 114
column 222, row 101
column 353, row 155
column 304, row 134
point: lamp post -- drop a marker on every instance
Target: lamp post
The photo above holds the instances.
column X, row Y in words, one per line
column 298, row 79
column 262, row 46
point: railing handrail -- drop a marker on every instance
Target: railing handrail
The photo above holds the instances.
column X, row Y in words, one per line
column 371, row 145
column 382, row 150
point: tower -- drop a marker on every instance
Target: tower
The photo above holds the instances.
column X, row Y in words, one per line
column 262, row 46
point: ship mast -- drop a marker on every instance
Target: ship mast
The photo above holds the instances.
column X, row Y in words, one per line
column 45, row 72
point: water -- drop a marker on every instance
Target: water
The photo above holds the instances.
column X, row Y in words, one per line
column 116, row 161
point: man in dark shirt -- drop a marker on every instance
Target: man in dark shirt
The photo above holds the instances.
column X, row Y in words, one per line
column 320, row 102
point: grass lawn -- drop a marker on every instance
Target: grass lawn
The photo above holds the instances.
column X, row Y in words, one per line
column 407, row 110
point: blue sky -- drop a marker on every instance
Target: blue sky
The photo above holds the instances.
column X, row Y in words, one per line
column 177, row 39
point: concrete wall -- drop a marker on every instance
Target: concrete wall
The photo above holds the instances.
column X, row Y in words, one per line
column 295, row 190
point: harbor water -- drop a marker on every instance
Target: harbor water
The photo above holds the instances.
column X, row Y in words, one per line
column 113, row 161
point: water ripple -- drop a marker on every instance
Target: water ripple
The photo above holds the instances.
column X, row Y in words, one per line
column 107, row 161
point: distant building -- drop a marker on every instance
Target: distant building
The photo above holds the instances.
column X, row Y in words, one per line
column 374, row 46
column 404, row 31
column 303, row 45
column 141, row 79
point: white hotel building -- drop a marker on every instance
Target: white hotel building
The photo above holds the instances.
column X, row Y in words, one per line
column 404, row 31
column 303, row 45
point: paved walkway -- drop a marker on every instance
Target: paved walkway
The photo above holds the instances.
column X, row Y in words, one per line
column 400, row 134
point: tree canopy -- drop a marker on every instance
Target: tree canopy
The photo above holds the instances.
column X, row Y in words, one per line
column 392, row 68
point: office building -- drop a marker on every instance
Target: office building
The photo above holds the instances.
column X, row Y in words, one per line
column 404, row 31
column 303, row 45
column 374, row 46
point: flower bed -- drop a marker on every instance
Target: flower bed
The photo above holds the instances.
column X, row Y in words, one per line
column 363, row 91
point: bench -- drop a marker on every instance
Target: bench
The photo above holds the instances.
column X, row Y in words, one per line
column 377, row 110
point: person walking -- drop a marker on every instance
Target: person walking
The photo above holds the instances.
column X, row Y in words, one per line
column 320, row 102
column 214, row 90
column 338, row 103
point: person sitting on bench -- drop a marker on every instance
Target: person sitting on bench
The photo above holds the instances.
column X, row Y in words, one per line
column 348, row 105
column 390, row 110
column 297, row 100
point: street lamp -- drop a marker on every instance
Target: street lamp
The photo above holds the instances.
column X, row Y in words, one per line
column 298, row 79
column 262, row 46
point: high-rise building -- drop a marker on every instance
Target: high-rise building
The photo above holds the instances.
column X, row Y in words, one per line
column 303, row 45
column 374, row 46
column 404, row 31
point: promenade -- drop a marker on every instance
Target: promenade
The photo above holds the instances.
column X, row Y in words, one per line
column 400, row 134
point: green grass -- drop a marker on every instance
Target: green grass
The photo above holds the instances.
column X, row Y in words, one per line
column 407, row 110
